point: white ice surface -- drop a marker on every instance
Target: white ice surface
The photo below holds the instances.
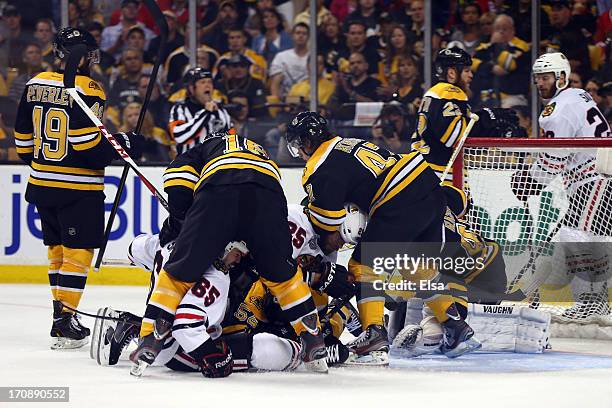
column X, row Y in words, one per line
column 25, row 359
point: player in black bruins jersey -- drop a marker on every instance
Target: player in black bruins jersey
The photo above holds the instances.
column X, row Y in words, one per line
column 405, row 203
column 445, row 112
column 67, row 155
column 227, row 189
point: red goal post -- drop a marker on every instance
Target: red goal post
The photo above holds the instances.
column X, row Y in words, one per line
column 486, row 169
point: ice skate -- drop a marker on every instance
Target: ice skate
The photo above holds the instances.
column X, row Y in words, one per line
column 370, row 348
column 67, row 332
column 149, row 347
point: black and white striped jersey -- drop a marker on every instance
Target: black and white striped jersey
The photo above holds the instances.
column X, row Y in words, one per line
column 191, row 124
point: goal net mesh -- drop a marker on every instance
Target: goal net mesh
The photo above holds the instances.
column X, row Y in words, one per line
column 551, row 212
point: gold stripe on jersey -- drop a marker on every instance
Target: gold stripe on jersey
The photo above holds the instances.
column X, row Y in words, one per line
column 453, row 131
column 329, row 220
column 185, row 176
column 239, row 161
column 404, row 172
column 444, row 90
column 318, row 158
column 72, row 178
column 24, row 143
column 83, row 84
column 23, row 136
column 85, row 142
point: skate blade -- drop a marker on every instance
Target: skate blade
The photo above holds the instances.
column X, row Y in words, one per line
column 415, row 351
column 138, row 368
column 95, row 338
column 64, row 343
column 317, row 366
column 468, row 346
column 373, row 358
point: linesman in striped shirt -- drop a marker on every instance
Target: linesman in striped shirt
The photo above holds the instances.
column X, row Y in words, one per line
column 67, row 157
column 199, row 116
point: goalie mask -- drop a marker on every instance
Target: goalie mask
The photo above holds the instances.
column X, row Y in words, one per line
column 354, row 224
column 69, row 37
column 553, row 62
column 305, row 126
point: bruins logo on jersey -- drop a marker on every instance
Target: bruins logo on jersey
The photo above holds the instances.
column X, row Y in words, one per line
column 94, row 85
column 549, row 109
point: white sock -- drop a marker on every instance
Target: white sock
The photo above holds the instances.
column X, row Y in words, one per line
column 272, row 353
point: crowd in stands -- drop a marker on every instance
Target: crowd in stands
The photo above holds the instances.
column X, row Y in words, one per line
column 258, row 52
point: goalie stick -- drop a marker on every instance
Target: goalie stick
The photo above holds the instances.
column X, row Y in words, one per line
column 160, row 20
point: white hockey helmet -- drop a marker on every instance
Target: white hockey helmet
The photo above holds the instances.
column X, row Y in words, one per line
column 556, row 63
column 239, row 245
column 354, row 224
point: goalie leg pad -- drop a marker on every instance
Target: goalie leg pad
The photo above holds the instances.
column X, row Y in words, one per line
column 509, row 328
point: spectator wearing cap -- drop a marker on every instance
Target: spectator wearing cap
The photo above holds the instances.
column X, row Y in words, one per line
column 175, row 38
column 357, row 41
column 237, row 41
column 199, row 115
column 239, row 110
column 502, row 67
column 32, row 64
column 13, row 38
column 115, row 37
column 44, row 32
column 216, row 33
column 290, row 66
column 368, row 13
column 273, row 38
column 239, row 79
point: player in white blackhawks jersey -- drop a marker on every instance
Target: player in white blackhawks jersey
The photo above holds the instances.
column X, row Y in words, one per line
column 197, row 324
column 572, row 113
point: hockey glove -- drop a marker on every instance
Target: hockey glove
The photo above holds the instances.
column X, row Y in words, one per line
column 170, row 230
column 524, row 186
column 498, row 122
column 336, row 281
column 132, row 142
column 215, row 358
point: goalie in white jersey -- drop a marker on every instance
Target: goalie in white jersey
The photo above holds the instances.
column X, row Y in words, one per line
column 572, row 113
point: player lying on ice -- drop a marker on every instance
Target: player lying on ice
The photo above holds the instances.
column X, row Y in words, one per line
column 243, row 315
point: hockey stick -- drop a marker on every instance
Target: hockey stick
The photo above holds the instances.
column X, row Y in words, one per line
column 72, row 64
column 473, row 119
column 97, row 316
column 163, row 29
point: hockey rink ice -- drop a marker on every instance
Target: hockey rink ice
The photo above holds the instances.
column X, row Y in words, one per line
column 577, row 374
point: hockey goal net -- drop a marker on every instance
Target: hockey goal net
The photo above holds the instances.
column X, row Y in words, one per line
column 550, row 208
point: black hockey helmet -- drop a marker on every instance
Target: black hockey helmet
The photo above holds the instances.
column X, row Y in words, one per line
column 69, row 37
column 195, row 74
column 453, row 57
column 306, row 126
